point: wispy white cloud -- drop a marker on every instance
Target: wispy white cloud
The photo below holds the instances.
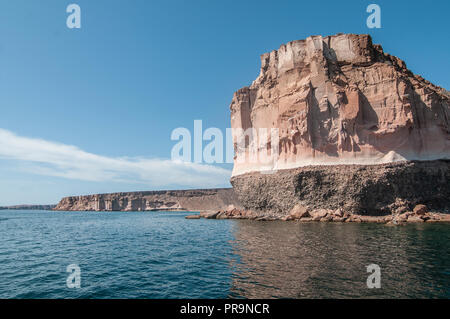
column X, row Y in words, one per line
column 56, row 159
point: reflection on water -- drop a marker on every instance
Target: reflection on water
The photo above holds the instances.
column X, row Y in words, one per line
column 164, row 255
column 317, row 260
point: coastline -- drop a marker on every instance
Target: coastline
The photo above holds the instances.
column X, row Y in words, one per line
column 420, row 214
column 28, row 207
column 162, row 200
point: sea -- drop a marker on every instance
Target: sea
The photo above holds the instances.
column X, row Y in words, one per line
column 47, row 254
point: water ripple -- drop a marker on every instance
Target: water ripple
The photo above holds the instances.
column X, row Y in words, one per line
column 163, row 255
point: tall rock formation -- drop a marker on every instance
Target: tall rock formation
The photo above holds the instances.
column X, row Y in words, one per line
column 355, row 129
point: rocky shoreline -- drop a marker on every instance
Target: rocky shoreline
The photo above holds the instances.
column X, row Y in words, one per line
column 420, row 214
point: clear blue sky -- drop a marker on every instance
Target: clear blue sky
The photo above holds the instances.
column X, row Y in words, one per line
column 116, row 88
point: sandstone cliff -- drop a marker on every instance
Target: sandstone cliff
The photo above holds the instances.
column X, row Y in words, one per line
column 181, row 200
column 345, row 111
column 340, row 100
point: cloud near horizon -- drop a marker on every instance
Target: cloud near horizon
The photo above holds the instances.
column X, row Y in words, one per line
column 67, row 161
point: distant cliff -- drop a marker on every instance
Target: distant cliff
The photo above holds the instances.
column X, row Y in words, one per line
column 28, row 207
column 173, row 200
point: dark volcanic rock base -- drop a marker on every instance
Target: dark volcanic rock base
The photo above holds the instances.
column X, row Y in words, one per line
column 358, row 189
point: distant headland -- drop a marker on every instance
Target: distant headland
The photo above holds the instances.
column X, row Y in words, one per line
column 28, row 207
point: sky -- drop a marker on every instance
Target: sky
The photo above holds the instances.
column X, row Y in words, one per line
column 91, row 110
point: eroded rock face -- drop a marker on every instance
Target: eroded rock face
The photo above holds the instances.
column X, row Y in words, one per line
column 356, row 130
column 340, row 100
column 185, row 200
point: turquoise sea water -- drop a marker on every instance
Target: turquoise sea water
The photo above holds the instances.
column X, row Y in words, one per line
column 163, row 255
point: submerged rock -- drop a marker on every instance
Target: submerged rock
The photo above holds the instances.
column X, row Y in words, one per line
column 193, row 217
